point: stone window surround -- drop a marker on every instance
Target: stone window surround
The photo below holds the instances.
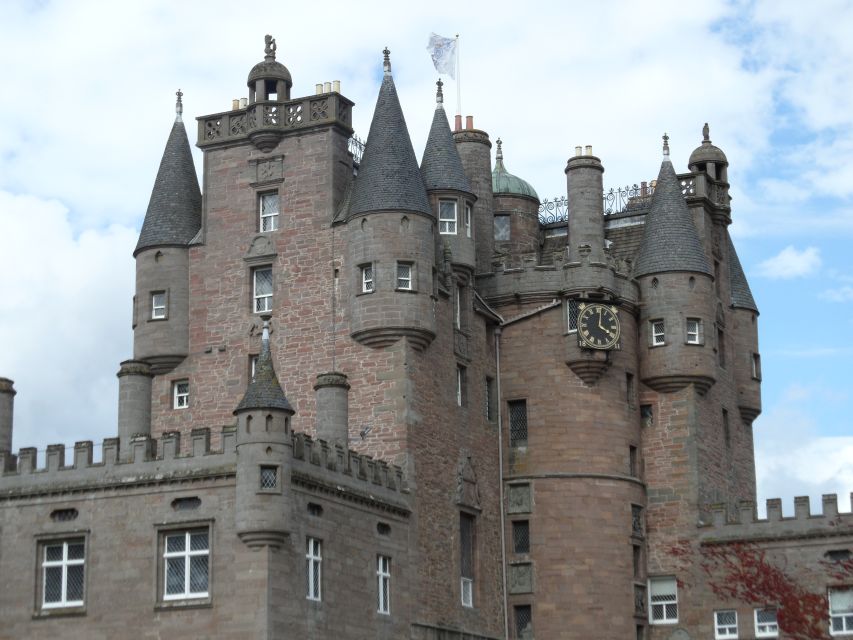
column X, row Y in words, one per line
column 725, row 629
column 383, row 584
column 314, row 568
column 41, row 542
column 266, row 298
column 172, row 528
column 163, row 307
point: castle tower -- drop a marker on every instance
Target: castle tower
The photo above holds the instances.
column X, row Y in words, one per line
column 173, row 218
column 391, row 248
column 263, row 451
column 474, row 150
column 747, row 364
column 7, row 404
column 134, row 403
column 516, row 223
column 449, row 191
column 586, row 211
column 677, row 287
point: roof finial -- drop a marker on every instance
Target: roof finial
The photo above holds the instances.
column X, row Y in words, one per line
column 665, row 147
column 179, row 106
column 439, row 94
column 706, row 133
column 269, row 49
column 386, row 62
column 499, row 154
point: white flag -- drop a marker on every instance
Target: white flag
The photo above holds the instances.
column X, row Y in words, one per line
column 443, row 52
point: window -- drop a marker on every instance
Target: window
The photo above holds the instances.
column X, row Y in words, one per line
column 502, row 227
column 756, row 366
column 158, row 305
column 632, row 461
column 186, row 556
column 725, row 624
column 262, row 287
column 458, row 299
column 468, row 220
column 447, row 217
column 572, row 305
column 268, row 477
column 313, row 568
column 841, row 610
column 629, row 389
column 367, row 278
column 657, row 333
column 663, row 600
column 523, row 620
column 490, row 398
column 383, row 584
column 404, row 276
column 268, row 206
column 517, row 423
column 466, row 558
column 727, row 433
column 63, row 573
column 253, row 366
column 721, row 348
column 460, row 385
column 637, row 558
column 766, row 625
column 521, row 536
column 180, row 394
column 694, row 334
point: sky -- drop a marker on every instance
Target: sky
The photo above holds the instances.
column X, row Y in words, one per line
column 89, row 91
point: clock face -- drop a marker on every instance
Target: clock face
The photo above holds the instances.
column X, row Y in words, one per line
column 598, row 326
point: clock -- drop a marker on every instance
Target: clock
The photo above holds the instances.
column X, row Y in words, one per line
column 598, row 326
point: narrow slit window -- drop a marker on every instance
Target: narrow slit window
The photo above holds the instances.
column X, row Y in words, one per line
column 269, row 210
column 313, row 568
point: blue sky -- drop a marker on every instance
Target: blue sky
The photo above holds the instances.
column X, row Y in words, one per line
column 88, row 103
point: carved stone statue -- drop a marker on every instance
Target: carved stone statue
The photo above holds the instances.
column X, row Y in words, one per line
column 270, row 47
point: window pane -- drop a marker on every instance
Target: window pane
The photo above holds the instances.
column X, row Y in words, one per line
column 263, row 282
column 75, row 551
column 198, row 541
column 521, row 536
column 466, row 545
column 53, row 584
column 53, row 553
column 523, row 619
column 174, row 576
column 269, row 203
column 269, row 477
column 175, row 543
column 74, row 588
column 502, row 228
column 518, row 423
column 198, row 574
column 841, row 600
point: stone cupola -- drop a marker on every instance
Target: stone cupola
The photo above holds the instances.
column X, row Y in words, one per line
column 269, row 80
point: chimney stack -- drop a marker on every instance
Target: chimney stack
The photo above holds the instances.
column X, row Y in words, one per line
column 333, row 408
column 7, row 401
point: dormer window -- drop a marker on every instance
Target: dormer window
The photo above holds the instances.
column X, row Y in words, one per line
column 447, row 217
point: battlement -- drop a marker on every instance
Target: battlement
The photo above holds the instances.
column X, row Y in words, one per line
column 742, row 523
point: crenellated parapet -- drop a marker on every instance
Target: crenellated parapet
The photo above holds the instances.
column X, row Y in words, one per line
column 742, row 524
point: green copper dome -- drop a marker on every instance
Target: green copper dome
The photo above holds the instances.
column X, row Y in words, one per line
column 503, row 182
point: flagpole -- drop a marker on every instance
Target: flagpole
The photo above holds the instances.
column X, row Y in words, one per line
column 458, row 81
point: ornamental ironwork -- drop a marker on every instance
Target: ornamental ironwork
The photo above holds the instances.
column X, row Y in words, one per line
column 556, row 210
column 613, row 201
column 356, row 148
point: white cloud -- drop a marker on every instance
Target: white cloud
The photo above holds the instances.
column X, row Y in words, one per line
column 843, row 293
column 790, row 263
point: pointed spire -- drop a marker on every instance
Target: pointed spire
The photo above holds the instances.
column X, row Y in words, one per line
column 441, row 165
column 670, row 240
column 264, row 390
column 389, row 177
column 174, row 210
column 741, row 294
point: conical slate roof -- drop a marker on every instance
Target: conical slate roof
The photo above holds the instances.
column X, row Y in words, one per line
column 264, row 390
column 388, row 177
column 174, row 211
column 441, row 166
column 741, row 294
column 670, row 240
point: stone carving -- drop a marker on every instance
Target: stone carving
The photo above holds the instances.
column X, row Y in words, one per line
column 467, row 493
column 319, row 109
column 269, row 170
column 213, row 128
column 521, row 578
column 261, row 247
column 518, row 498
column 270, row 46
column 238, row 124
column 294, row 115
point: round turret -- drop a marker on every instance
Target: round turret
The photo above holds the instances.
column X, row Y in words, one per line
column 516, row 211
column 708, row 157
column 269, row 80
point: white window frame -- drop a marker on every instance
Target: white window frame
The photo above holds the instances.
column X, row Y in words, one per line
column 186, row 554
column 261, row 302
column 657, row 332
column 253, row 366
column 696, row 336
column 158, row 305
column 181, row 397
column 845, row 618
column 268, row 218
column 383, row 585
column 664, row 618
column 447, row 222
column 766, row 629
column 467, row 219
column 63, row 563
column 724, row 631
column 367, row 278
column 314, row 569
column 404, row 276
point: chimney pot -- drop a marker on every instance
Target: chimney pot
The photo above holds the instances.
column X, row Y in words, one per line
column 469, row 122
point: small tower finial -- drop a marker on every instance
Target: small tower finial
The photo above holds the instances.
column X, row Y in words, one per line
column 665, row 147
column 439, row 94
column 386, row 61
column 269, row 49
column 179, row 106
column 499, row 154
column 706, row 133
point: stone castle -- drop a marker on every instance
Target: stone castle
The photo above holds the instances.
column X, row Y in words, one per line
column 376, row 398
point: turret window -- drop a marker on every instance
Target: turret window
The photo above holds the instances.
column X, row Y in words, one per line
column 517, row 423
column 367, row 278
column 756, row 366
column 404, row 276
column 466, row 559
column 383, row 584
column 269, row 209
column 657, row 333
column 313, row 566
column 262, row 286
column 468, row 220
column 572, row 305
column 158, row 305
column 447, row 217
column 502, row 228
column 694, row 334
column 181, row 394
